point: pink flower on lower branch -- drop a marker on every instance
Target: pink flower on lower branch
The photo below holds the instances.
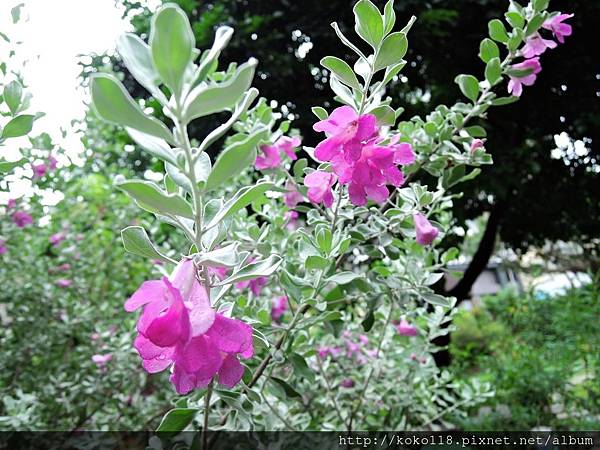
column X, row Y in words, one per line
column 279, row 307
column 22, row 219
column 64, row 282
column 426, row 233
column 319, row 186
column 536, row 45
column 39, row 170
column 57, row 238
column 270, row 156
column 178, row 328
column 406, row 329
column 531, row 67
column 101, row 360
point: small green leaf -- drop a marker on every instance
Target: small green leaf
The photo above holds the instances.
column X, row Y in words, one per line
column 136, row 241
column 222, row 37
column 341, row 70
column 235, row 158
column 321, row 113
column 437, row 300
column 504, row 101
column 343, row 277
column 222, row 257
column 261, row 268
column 469, row 86
column 368, row 23
column 289, row 390
column 346, row 41
column 177, row 419
column 114, row 104
column 171, row 41
column 15, row 12
column 240, row 200
column 19, row 126
column 385, row 115
column 153, row 145
column 137, row 56
column 488, row 50
column 493, row 71
column 515, row 19
column 153, row 199
column 7, row 166
column 392, row 50
column 389, row 17
column 497, row 31
column 316, row 262
column 13, row 93
column 208, row 99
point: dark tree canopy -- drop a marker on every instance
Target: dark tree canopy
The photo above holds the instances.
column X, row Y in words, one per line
column 533, row 195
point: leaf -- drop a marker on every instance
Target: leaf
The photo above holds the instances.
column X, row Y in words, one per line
column 262, row 268
column 392, row 50
column 289, row 390
column 368, row 23
column 493, row 71
column 222, row 257
column 301, row 367
column 346, row 41
column 15, row 12
column 343, row 277
column 114, row 104
column 437, row 300
column 137, row 56
column 13, row 93
column 341, row 70
column 19, row 126
column 240, row 200
column 497, row 31
column 342, row 91
column 177, row 419
column 153, row 199
column 7, row 166
column 469, row 86
column 488, row 50
column 136, row 241
column 385, row 115
column 153, row 145
column 321, row 113
column 171, row 41
column 389, row 17
column 504, row 101
column 316, row 262
column 235, row 158
column 205, row 100
column 222, row 37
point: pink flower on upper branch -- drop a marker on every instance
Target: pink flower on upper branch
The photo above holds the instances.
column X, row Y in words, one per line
column 57, row 238
column 426, row 233
column 52, row 162
column 11, row 203
column 535, row 45
column 558, row 28
column 292, row 197
column 406, row 329
column 319, row 186
column 64, row 282
column 3, row 248
column 39, row 170
column 178, row 328
column 270, row 157
column 475, row 144
column 101, row 360
column 291, row 218
column 22, row 219
column 279, row 307
column 532, row 67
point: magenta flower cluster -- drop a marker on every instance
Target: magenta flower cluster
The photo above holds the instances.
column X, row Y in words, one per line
column 358, row 157
column 534, row 46
column 270, row 157
column 179, row 329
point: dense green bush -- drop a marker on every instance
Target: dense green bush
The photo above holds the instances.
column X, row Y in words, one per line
column 541, row 356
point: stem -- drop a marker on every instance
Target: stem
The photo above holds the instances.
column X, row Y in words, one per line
column 209, row 390
column 337, row 208
column 329, row 389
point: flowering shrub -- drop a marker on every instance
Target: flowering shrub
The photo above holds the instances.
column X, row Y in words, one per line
column 296, row 275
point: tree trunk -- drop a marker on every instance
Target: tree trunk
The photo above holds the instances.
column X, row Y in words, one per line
column 462, row 290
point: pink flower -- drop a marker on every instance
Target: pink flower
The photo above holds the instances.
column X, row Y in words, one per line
column 157, row 262
column 291, row 218
column 280, row 306
column 347, row 383
column 426, row 233
column 319, row 186
column 39, row 170
column 535, row 45
column 345, row 131
column 477, row 143
column 52, row 162
column 3, row 248
column 11, row 203
column 101, row 360
column 406, row 329
column 255, row 284
column 178, row 328
column 292, row 197
column 219, row 272
column 559, row 29
column 57, row 238
column 271, row 154
column 533, row 67
column 64, row 282
column 22, row 219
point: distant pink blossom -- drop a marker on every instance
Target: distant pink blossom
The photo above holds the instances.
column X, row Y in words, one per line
column 558, row 28
column 291, row 219
column 319, row 186
column 515, row 85
column 475, row 144
column 179, row 328
column 3, row 248
column 535, row 45
column 57, row 238
column 279, row 307
column 292, row 197
column 426, row 233
column 157, row 262
column 22, row 219
column 11, row 203
column 406, row 329
column 101, row 360
column 219, row 272
column 287, row 145
column 255, row 284
column 64, row 282
column 347, row 383
column 39, row 170
column 270, row 156
column 64, row 267
column 52, row 162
